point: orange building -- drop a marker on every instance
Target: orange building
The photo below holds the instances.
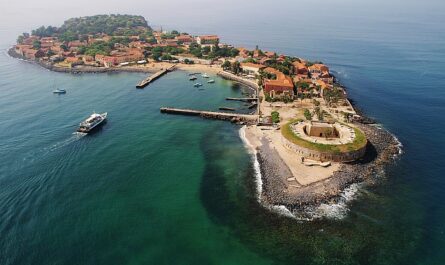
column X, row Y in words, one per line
column 186, row 39
column 207, row 39
column 300, row 68
column 279, row 87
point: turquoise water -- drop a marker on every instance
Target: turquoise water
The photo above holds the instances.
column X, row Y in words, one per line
column 123, row 195
column 158, row 189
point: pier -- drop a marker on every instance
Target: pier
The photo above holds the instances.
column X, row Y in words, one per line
column 154, row 76
column 243, row 99
column 232, row 117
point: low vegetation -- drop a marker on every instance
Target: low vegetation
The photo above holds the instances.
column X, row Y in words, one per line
column 275, row 116
column 307, row 114
column 358, row 143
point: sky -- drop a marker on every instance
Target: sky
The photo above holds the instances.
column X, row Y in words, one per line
column 14, row 13
column 237, row 17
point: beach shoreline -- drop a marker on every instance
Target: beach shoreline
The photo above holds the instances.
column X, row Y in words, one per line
column 276, row 191
column 147, row 68
column 273, row 167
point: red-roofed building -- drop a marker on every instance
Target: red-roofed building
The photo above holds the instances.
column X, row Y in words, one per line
column 207, row 39
column 76, row 44
column 300, row 68
column 243, row 52
column 20, row 48
column 252, row 68
column 280, row 87
column 170, row 42
column 318, row 68
column 270, row 54
column 185, row 39
column 30, row 40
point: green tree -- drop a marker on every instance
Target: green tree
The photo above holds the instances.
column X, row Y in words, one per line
column 307, row 114
column 275, row 116
column 236, row 67
column 226, row 65
column 206, row 50
column 64, row 47
column 36, row 44
column 50, row 53
column 20, row 39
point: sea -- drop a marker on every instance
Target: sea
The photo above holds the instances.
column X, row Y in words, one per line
column 152, row 188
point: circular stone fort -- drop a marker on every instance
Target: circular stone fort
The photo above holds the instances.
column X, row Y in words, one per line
column 324, row 141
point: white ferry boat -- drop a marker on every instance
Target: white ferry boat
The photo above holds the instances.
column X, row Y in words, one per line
column 92, row 122
column 59, row 91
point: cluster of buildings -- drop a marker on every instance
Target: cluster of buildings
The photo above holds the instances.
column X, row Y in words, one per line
column 316, row 76
column 52, row 50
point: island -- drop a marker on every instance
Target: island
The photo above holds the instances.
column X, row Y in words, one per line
column 310, row 141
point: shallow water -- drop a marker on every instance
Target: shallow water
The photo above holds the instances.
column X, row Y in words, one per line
column 152, row 188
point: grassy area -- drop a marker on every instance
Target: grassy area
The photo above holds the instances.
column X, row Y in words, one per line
column 359, row 141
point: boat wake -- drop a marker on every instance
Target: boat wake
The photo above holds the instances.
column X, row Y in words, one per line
column 32, row 156
column 75, row 136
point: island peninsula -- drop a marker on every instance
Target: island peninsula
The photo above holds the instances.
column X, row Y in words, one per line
column 310, row 141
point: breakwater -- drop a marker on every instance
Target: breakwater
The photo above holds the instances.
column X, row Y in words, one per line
column 230, row 76
column 232, row 117
column 154, row 76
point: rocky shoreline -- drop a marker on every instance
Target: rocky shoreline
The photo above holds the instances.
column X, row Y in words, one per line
column 79, row 69
column 382, row 148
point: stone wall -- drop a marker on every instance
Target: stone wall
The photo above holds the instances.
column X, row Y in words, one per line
column 241, row 80
column 324, row 156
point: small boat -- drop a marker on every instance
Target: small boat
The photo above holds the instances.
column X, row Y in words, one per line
column 211, row 81
column 205, row 75
column 59, row 91
column 197, row 85
column 92, row 122
column 194, row 74
column 192, row 78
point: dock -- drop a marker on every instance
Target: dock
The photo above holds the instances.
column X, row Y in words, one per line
column 227, row 108
column 154, row 76
column 232, row 117
column 243, row 99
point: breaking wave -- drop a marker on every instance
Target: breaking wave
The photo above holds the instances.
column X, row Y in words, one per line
column 336, row 210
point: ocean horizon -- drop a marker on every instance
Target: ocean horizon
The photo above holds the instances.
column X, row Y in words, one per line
column 150, row 188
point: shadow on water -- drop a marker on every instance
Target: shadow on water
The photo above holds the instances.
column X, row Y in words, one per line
column 229, row 196
column 370, row 155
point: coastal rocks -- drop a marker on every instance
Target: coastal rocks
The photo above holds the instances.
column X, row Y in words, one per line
column 275, row 173
column 381, row 150
column 78, row 69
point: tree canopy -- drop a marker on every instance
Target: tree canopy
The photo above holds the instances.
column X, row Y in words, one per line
column 109, row 24
column 74, row 28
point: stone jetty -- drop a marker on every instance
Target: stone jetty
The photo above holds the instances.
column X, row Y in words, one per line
column 232, row 117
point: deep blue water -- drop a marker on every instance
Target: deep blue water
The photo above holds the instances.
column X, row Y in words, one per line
column 151, row 188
